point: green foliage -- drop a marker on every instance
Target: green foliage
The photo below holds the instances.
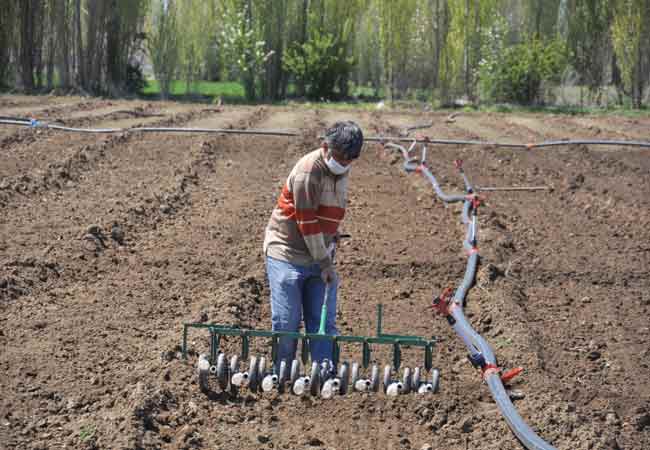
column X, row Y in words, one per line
column 243, row 51
column 319, row 63
column 86, row 433
column 196, row 20
column 631, row 38
column 395, row 31
column 465, row 26
column 516, row 73
column 400, row 49
column 163, row 44
column 367, row 47
column 625, row 35
column 588, row 34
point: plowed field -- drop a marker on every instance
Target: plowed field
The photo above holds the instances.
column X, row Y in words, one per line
column 109, row 243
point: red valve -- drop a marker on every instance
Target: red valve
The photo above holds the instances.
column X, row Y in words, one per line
column 475, row 199
column 488, row 370
column 510, row 374
column 459, row 164
column 441, row 303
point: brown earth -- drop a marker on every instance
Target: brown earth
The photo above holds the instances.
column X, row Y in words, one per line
column 109, row 243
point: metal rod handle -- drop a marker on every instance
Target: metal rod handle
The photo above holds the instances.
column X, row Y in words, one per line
column 323, row 313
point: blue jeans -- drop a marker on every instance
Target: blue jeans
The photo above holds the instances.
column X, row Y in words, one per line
column 297, row 292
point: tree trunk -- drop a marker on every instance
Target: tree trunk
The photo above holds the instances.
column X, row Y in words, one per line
column 115, row 71
column 51, row 44
column 63, row 35
column 476, row 51
column 617, row 80
column 436, row 55
column 300, row 85
column 27, row 45
column 538, row 18
column 38, row 24
column 249, row 77
column 638, row 78
column 466, row 57
column 81, row 79
column 276, row 41
column 7, row 24
column 95, row 57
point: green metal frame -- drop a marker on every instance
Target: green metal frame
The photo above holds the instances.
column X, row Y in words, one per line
column 396, row 340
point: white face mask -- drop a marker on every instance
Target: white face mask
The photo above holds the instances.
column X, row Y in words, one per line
column 335, row 167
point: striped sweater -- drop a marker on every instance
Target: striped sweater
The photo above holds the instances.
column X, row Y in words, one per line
column 308, row 213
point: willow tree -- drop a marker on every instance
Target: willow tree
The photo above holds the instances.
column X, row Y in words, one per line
column 395, row 20
column 242, row 46
column 540, row 17
column 367, row 50
column 342, row 22
column 468, row 21
column 8, row 15
column 29, row 15
column 589, row 41
column 196, row 20
column 162, row 43
column 631, row 36
column 273, row 33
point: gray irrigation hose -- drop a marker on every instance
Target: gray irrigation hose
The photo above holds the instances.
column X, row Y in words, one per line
column 468, row 185
column 214, row 130
column 467, row 206
column 401, row 149
column 24, row 123
column 17, row 119
column 529, row 146
column 42, row 125
column 84, row 130
column 643, row 144
column 474, row 342
column 444, row 197
column 381, row 139
column 513, row 188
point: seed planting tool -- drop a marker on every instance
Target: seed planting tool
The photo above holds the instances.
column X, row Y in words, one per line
column 322, row 378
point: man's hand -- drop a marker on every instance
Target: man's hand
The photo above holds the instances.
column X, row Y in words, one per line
column 328, row 275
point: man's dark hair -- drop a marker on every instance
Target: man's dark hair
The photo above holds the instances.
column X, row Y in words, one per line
column 345, row 137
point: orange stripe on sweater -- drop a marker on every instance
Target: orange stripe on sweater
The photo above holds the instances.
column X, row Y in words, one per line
column 328, row 227
column 331, row 212
column 287, row 208
column 304, row 215
column 287, row 193
column 308, row 229
column 285, row 203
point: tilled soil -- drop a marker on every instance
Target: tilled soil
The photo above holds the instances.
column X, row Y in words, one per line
column 109, row 243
